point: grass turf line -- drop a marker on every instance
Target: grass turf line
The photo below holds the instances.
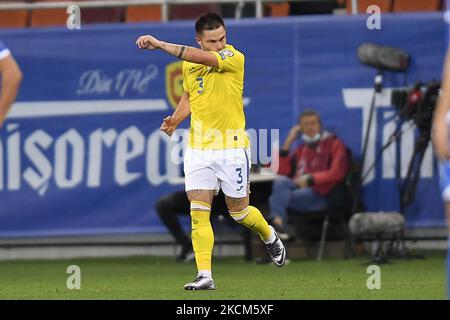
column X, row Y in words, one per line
column 162, row 278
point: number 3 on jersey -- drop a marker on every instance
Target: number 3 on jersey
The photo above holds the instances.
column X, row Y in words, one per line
column 200, row 84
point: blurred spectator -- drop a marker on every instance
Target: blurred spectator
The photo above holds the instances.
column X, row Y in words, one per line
column 441, row 125
column 310, row 173
column 11, row 76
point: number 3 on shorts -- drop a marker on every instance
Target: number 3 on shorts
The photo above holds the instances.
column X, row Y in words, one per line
column 239, row 171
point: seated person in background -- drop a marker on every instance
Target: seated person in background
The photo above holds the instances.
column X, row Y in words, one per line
column 309, row 173
column 173, row 204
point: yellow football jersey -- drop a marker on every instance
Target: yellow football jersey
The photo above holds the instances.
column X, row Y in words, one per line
column 216, row 100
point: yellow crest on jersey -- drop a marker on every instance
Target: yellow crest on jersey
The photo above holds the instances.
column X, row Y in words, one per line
column 174, row 83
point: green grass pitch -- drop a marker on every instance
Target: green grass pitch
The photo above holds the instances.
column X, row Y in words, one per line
column 162, row 278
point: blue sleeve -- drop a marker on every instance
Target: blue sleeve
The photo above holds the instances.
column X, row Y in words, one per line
column 3, row 50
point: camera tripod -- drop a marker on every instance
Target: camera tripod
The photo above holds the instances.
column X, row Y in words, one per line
column 406, row 188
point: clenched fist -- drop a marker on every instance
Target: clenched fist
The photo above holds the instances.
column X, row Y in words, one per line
column 148, row 42
column 169, row 125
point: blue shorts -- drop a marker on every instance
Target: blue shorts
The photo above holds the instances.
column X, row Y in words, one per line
column 444, row 169
column 444, row 180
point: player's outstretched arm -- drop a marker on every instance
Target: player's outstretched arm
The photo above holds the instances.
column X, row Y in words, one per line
column 11, row 76
column 187, row 53
column 182, row 111
column 440, row 129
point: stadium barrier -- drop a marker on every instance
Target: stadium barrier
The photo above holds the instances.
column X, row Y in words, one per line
column 81, row 152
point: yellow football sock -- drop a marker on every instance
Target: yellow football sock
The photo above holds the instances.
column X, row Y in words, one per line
column 202, row 234
column 252, row 218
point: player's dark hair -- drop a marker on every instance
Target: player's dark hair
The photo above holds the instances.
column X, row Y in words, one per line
column 309, row 112
column 208, row 21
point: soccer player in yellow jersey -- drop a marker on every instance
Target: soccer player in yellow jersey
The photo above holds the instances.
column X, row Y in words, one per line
column 218, row 152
